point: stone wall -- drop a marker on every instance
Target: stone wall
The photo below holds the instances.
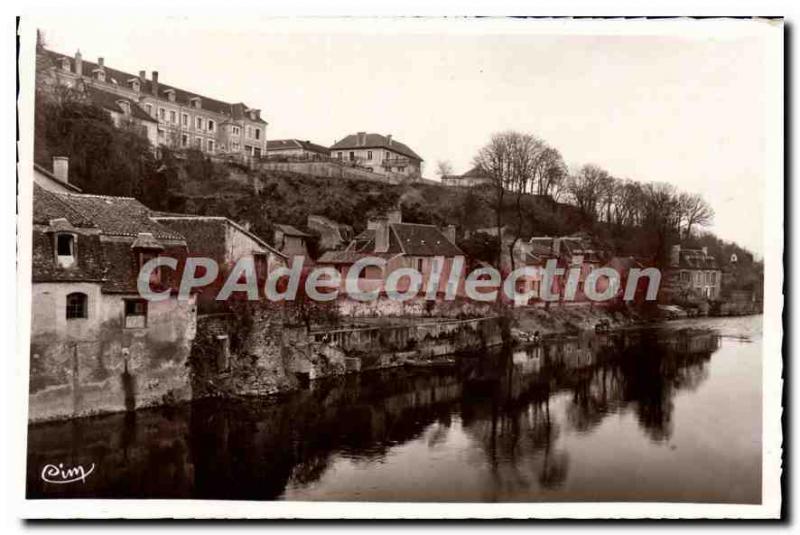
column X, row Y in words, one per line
column 329, row 170
column 97, row 364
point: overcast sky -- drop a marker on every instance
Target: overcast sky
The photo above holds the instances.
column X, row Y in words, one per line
column 685, row 110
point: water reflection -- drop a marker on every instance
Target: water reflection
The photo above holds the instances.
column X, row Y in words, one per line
column 500, row 415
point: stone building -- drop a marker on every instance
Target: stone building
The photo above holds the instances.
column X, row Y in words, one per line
column 473, row 177
column 297, row 149
column 693, row 276
column 173, row 117
column 291, row 241
column 226, row 242
column 379, row 154
column 401, row 245
column 332, row 234
column 96, row 345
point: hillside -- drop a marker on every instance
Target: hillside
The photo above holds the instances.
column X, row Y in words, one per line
column 117, row 161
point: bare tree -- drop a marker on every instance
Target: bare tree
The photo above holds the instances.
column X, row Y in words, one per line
column 512, row 160
column 444, row 168
column 586, row 189
column 694, row 211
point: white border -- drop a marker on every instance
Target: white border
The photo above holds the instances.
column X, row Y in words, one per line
column 773, row 248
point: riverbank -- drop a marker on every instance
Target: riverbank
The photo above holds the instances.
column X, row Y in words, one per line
column 572, row 319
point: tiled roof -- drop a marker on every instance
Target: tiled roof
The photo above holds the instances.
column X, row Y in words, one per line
column 118, row 216
column 284, row 144
column 408, row 238
column 423, row 240
column 376, row 141
column 233, row 110
column 110, row 101
column 696, row 259
column 48, row 206
column 475, row 172
column 206, row 234
column 289, row 230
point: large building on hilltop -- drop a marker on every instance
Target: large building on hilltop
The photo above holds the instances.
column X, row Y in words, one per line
column 171, row 116
column 379, row 154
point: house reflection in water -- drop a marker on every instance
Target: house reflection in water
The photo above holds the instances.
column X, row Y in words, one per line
column 511, row 407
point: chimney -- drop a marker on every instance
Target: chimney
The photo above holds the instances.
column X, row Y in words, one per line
column 388, row 139
column 450, row 233
column 100, row 62
column 154, row 85
column 675, row 256
column 61, row 168
column 142, row 77
column 382, row 235
column 362, row 139
column 78, row 63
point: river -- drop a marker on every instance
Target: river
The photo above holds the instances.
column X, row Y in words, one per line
column 669, row 413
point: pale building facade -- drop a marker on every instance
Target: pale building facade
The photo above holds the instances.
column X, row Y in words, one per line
column 182, row 119
column 379, row 154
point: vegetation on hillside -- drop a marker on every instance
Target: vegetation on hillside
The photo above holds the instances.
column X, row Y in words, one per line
column 631, row 218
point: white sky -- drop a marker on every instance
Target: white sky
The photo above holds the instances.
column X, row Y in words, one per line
column 685, row 110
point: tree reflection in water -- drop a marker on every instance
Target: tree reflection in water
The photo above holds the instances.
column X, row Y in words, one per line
column 503, row 401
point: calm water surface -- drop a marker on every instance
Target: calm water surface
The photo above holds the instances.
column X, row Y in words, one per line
column 664, row 414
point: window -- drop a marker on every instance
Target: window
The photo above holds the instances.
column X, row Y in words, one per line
column 149, row 109
column 198, row 142
column 135, row 313
column 339, row 155
column 77, row 306
column 234, row 145
column 420, row 263
column 210, row 145
column 258, row 133
column 199, row 123
column 352, row 156
column 65, row 245
column 65, row 249
column 173, row 117
column 401, row 169
column 236, row 131
column 369, row 155
column 162, row 114
column 210, row 125
column 684, row 276
column 249, row 131
column 185, row 119
column 184, row 140
column 386, row 155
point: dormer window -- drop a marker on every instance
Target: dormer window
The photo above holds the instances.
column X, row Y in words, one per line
column 100, row 75
column 125, row 106
column 65, row 249
column 170, row 94
column 65, row 66
column 134, row 83
column 195, row 102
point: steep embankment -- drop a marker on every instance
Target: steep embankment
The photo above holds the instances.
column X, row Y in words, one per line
column 264, row 198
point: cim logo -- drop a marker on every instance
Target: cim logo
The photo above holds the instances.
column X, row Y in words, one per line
column 60, row 475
